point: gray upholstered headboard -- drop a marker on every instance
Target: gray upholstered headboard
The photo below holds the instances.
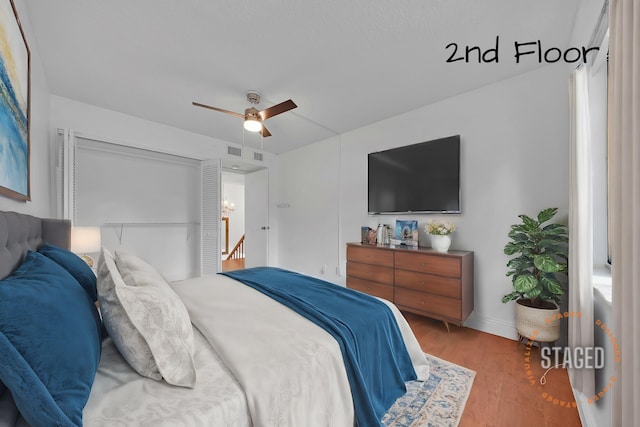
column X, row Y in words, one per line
column 21, row 232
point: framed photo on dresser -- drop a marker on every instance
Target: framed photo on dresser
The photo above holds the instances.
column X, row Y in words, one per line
column 407, row 232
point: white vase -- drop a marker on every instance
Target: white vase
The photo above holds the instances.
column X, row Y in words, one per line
column 440, row 243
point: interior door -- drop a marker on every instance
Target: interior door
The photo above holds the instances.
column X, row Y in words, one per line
column 256, row 222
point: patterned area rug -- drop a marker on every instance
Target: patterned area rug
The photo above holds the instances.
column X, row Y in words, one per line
column 437, row 402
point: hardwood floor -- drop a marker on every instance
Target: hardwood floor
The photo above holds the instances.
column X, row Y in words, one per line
column 502, row 393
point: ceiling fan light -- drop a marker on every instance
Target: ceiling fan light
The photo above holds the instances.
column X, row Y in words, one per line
column 252, row 125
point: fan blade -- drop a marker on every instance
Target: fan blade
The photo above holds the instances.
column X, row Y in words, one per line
column 265, row 132
column 277, row 109
column 197, row 104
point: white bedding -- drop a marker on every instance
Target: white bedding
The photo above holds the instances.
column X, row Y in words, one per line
column 122, row 397
column 291, row 370
column 256, row 360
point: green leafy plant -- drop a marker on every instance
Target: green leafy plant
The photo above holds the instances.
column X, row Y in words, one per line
column 540, row 253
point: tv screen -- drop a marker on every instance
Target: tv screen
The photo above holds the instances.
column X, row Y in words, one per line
column 422, row 177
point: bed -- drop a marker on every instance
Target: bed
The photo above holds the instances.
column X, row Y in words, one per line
column 222, row 350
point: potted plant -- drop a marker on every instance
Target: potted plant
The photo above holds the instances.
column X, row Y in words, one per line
column 540, row 253
column 439, row 232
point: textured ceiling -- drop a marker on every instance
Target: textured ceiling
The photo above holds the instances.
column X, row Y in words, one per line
column 345, row 63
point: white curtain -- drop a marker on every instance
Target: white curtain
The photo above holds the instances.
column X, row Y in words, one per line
column 580, row 229
column 624, row 166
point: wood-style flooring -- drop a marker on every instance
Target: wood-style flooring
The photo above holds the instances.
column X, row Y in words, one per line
column 502, row 393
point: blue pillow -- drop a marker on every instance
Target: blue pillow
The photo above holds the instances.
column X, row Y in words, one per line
column 49, row 342
column 74, row 265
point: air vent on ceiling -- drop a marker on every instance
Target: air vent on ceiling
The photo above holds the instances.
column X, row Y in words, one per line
column 234, row 151
column 257, row 156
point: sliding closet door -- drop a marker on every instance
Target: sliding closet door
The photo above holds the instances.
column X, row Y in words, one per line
column 144, row 201
column 211, row 217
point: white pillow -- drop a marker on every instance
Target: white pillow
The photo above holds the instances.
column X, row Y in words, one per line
column 146, row 319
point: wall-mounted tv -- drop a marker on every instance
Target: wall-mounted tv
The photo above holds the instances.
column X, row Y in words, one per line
column 423, row 177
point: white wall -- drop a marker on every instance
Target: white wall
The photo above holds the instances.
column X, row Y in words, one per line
column 307, row 203
column 40, row 204
column 111, row 126
column 514, row 159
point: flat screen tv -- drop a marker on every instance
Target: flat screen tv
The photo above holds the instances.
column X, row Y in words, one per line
column 423, row 177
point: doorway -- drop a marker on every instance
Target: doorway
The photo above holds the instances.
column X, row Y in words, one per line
column 233, row 217
column 245, row 211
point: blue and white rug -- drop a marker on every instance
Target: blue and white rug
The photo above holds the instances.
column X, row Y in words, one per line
column 437, row 402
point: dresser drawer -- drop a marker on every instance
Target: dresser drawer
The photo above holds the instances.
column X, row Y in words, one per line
column 371, row 288
column 374, row 273
column 427, row 263
column 370, row 256
column 428, row 304
column 439, row 285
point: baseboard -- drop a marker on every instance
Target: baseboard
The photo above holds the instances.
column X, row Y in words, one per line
column 492, row 326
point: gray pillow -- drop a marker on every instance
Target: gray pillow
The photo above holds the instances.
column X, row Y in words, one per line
column 146, row 319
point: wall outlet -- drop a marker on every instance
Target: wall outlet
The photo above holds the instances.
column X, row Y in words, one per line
column 323, row 269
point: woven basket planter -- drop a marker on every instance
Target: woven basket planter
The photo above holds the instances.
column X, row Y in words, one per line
column 537, row 324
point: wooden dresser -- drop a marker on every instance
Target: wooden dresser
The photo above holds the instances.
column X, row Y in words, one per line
column 419, row 280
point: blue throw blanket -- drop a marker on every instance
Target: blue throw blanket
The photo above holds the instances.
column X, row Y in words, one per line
column 374, row 353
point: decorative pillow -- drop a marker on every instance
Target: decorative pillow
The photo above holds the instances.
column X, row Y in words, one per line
column 49, row 342
column 74, row 265
column 146, row 319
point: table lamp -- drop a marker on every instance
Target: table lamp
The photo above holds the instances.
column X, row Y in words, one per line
column 85, row 240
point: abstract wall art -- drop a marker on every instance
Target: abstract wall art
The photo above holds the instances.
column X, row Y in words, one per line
column 14, row 105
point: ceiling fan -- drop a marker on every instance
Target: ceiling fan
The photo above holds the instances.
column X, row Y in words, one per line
column 252, row 117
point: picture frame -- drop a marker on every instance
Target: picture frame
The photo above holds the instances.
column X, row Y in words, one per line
column 15, row 105
column 407, row 232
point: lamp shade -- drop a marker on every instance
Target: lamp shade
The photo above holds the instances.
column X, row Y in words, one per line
column 85, row 239
column 252, row 125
